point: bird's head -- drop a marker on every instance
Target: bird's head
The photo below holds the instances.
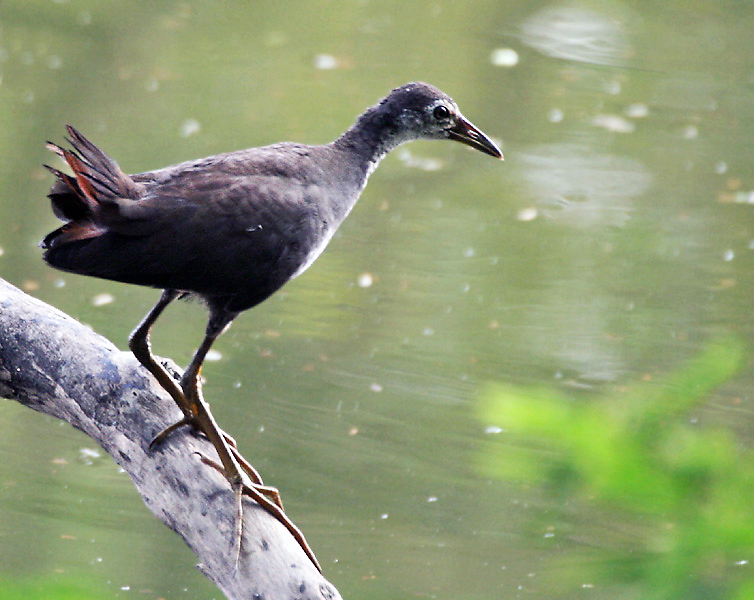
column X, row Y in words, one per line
column 424, row 112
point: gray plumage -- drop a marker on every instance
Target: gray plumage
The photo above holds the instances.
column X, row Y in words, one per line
column 231, row 228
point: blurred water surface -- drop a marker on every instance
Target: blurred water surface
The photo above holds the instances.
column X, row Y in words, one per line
column 612, row 246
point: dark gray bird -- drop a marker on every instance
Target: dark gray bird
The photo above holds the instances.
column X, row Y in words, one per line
column 230, row 229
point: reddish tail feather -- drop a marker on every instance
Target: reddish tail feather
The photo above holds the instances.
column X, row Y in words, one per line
column 77, row 199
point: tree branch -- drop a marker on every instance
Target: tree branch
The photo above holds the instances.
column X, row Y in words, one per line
column 54, row 364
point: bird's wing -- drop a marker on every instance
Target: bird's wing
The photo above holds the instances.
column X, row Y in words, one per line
column 99, row 197
column 212, row 226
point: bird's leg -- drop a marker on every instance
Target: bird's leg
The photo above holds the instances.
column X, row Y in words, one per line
column 242, row 482
column 196, row 413
column 140, row 345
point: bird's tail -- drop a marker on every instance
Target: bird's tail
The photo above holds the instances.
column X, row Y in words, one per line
column 79, row 199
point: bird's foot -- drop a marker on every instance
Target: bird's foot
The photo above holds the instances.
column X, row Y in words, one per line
column 245, row 480
column 189, row 421
column 255, row 481
column 268, row 498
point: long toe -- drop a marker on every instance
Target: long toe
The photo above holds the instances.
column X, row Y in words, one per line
column 165, row 433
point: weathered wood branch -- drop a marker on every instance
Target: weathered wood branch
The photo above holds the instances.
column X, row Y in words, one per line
column 54, row 364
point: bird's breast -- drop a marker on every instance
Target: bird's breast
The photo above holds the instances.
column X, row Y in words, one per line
column 309, row 255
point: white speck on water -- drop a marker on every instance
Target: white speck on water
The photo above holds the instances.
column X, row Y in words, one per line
column 468, row 252
column 729, row 255
column 214, row 355
column 261, row 429
column 125, row 588
column 151, row 85
column 613, row 87
column 637, row 110
column 365, row 280
column 375, row 387
column 84, row 18
column 614, row 123
column 432, row 499
column 493, row 429
column 274, row 39
column 691, row 132
column 504, row 57
column 103, row 299
column 527, row 214
column 59, row 283
column 418, row 162
column 428, row 331
column 721, row 167
column 325, row 62
column 555, row 115
column 549, row 534
column 54, row 61
column 744, row 197
column 2, row 251
column 237, row 384
column 88, row 455
column 465, row 288
column 190, row 127
column 383, row 516
column 741, row 563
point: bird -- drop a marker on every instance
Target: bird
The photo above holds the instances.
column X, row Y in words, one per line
column 229, row 229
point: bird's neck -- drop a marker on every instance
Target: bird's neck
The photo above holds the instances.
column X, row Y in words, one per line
column 374, row 134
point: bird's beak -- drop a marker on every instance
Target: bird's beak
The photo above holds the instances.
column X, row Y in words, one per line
column 463, row 131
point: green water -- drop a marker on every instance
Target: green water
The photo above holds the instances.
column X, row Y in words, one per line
column 606, row 254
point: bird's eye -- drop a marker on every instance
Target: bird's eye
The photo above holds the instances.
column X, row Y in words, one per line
column 441, row 113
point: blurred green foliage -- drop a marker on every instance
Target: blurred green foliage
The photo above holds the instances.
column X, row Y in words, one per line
column 689, row 488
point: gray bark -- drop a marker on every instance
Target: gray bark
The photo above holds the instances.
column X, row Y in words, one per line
column 54, row 364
